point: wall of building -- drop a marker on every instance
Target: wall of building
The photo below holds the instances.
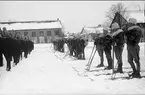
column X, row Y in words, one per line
column 41, row 35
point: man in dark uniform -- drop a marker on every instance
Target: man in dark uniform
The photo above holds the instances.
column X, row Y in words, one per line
column 133, row 36
column 99, row 46
column 103, row 44
column 4, row 33
column 107, row 48
column 118, row 45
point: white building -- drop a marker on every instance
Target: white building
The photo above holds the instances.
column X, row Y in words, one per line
column 37, row 31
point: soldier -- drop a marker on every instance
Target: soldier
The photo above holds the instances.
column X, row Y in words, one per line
column 103, row 44
column 5, row 33
column 118, row 44
column 18, row 36
column 107, row 48
column 99, row 46
column 13, row 34
column 2, row 32
column 133, row 36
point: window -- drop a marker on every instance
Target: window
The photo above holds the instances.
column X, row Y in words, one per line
column 48, row 33
column 57, row 33
column 33, row 34
column 25, row 33
column 41, row 33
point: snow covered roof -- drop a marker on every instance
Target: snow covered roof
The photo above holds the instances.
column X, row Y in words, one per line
column 92, row 30
column 33, row 25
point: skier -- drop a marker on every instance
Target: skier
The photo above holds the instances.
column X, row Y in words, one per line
column 107, row 49
column 103, row 44
column 118, row 45
column 133, row 36
column 99, row 46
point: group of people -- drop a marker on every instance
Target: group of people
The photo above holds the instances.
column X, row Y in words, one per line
column 117, row 37
column 13, row 46
column 58, row 44
column 76, row 46
column 108, row 41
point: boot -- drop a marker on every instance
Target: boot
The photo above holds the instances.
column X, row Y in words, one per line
column 136, row 75
column 100, row 65
column 119, row 70
column 108, row 68
column 8, row 69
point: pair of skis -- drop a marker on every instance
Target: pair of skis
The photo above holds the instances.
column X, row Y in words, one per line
column 92, row 57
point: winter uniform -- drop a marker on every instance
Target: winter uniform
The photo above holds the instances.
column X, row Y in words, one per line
column 103, row 44
column 118, row 45
column 99, row 46
column 133, row 35
column 107, row 49
column 11, row 47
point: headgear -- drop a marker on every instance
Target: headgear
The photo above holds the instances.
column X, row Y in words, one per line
column 115, row 26
column 132, row 20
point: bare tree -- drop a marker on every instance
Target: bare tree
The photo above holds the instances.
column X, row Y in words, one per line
column 120, row 8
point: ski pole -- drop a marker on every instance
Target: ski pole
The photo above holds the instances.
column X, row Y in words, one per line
column 91, row 60
column 91, row 55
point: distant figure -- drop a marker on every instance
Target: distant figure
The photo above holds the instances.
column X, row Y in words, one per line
column 133, row 36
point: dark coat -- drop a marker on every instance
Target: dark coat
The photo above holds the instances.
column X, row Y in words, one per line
column 133, row 34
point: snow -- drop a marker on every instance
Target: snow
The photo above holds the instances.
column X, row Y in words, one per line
column 93, row 30
column 46, row 71
column 21, row 26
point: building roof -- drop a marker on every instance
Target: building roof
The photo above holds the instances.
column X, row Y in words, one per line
column 23, row 25
column 92, row 30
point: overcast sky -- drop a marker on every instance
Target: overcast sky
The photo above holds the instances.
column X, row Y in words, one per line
column 73, row 14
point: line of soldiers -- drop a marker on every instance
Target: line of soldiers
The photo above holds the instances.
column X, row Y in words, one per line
column 117, row 38
column 12, row 47
column 76, row 46
column 59, row 44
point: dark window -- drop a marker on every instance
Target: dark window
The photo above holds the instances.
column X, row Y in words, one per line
column 48, row 33
column 57, row 33
column 41, row 33
column 25, row 33
column 33, row 34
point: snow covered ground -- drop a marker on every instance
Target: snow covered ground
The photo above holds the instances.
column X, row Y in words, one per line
column 48, row 72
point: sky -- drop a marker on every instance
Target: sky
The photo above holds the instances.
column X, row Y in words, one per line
column 73, row 14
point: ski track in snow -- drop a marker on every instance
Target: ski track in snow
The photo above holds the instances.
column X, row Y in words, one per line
column 52, row 72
